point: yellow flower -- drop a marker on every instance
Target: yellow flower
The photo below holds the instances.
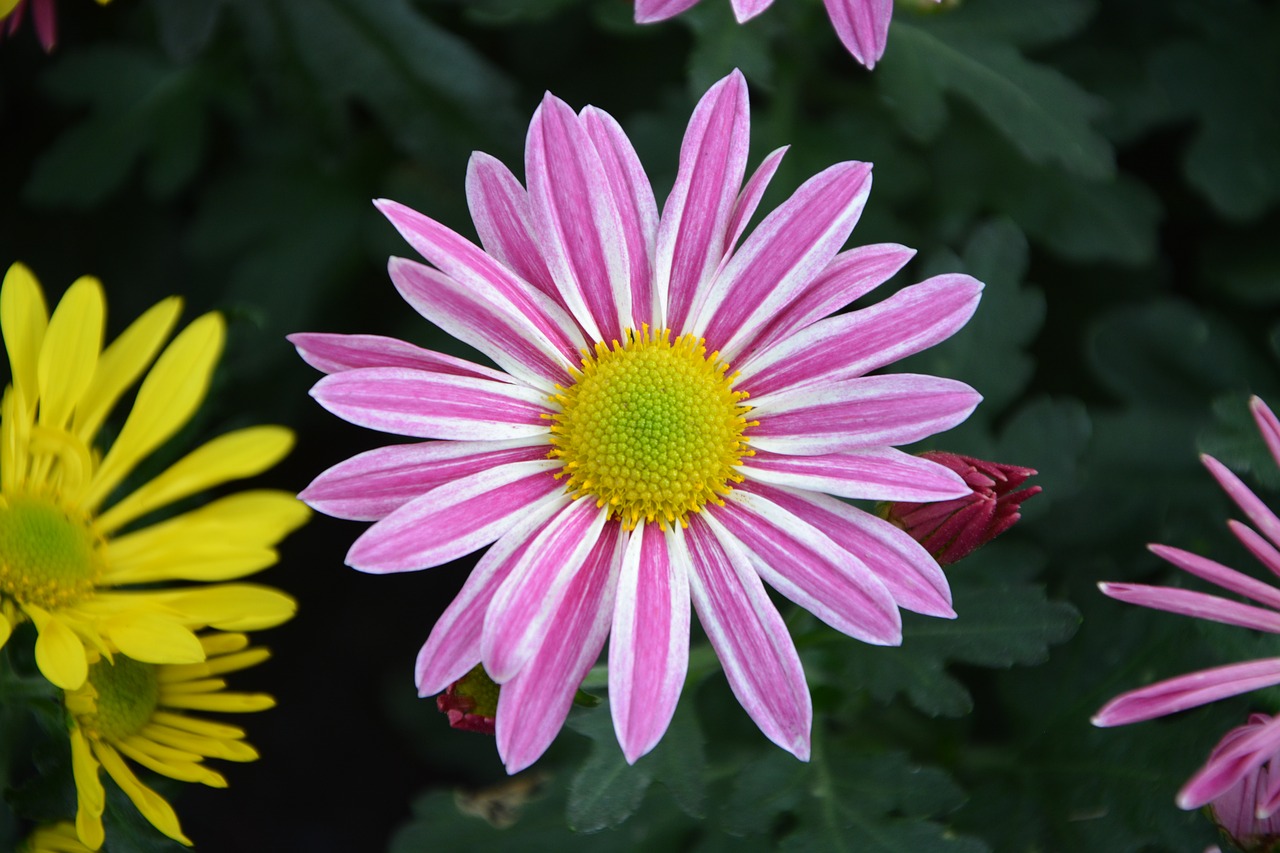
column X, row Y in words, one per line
column 128, row 709
column 58, row 838
column 71, row 547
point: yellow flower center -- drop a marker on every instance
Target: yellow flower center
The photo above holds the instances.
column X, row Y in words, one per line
column 128, row 693
column 651, row 428
column 48, row 557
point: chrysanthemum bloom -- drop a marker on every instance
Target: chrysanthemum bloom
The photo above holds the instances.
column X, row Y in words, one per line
column 70, row 549
column 57, row 838
column 1246, row 810
column 622, row 467
column 951, row 530
column 44, row 17
column 139, row 711
column 1199, row 688
column 862, row 25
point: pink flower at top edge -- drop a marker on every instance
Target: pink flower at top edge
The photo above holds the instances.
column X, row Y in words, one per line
column 613, row 327
column 862, row 25
column 1200, row 688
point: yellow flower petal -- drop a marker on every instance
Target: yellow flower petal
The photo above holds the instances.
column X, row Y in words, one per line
column 167, row 399
column 59, row 652
column 24, row 318
column 152, row 805
column 224, row 643
column 227, row 703
column 229, row 607
column 167, row 763
column 69, row 354
column 91, row 798
column 224, row 748
column 5, row 630
column 152, row 638
column 204, row 685
column 122, row 363
column 197, row 726
column 242, row 453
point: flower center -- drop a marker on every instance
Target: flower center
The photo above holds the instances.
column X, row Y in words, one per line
column 48, row 557
column 128, row 693
column 651, row 428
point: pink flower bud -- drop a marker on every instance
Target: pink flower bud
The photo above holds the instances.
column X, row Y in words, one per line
column 953, row 529
column 471, row 702
column 1249, row 752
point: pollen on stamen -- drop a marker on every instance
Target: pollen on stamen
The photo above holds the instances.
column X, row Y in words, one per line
column 651, row 428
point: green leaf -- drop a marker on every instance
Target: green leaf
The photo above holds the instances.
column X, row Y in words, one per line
column 186, row 26
column 1050, row 435
column 1046, row 116
column 723, row 45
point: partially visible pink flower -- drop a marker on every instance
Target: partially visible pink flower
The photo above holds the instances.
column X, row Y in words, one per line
column 44, row 17
column 471, row 702
column 1200, row 688
column 951, row 530
column 613, row 462
column 1245, row 810
column 862, row 25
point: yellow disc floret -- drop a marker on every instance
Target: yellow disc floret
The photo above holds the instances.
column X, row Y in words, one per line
column 48, row 556
column 127, row 694
column 651, row 428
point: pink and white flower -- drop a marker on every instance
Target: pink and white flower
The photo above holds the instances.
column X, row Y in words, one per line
column 1246, row 808
column 862, row 25
column 1199, row 688
column 613, row 326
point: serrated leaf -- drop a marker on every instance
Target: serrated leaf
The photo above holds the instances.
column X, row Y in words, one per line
column 1050, row 435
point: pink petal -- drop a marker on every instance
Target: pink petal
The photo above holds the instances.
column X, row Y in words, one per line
column 1188, row 691
column 875, row 473
column 863, row 27
column 850, row 275
column 533, row 705
column 500, row 210
column 1195, row 604
column 745, row 10
column 330, row 353
column 1227, row 766
column 649, row 642
column 695, row 219
column 913, row 319
column 44, row 18
column 1259, row 547
column 864, row 412
column 374, row 484
column 801, row 562
column 749, row 199
column 454, row 519
column 1262, row 517
column 911, row 575
column 433, row 405
column 649, row 11
column 472, row 274
column 749, row 636
column 1268, row 425
column 576, row 218
column 454, row 645
column 520, row 615
column 633, row 198
column 1216, row 573
column 790, row 248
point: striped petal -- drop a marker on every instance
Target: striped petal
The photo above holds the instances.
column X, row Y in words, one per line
column 913, row 319
column 863, row 412
column 500, row 210
column 648, row 11
column 432, row 405
column 330, row 353
column 373, row 484
column 745, row 10
column 863, row 27
column 1188, row 691
column 749, row 636
column 874, row 473
column 749, row 199
column 649, row 641
column 454, row 519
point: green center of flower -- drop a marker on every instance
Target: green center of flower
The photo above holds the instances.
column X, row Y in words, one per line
column 652, row 428
column 48, row 557
column 128, row 693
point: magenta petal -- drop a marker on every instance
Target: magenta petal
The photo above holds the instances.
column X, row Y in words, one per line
column 695, row 219
column 863, row 27
column 520, row 615
column 850, row 275
column 1227, row 578
column 907, row 570
column 864, row 412
column 1195, row 604
column 432, row 405
column 874, row 473
column 749, row 636
column 633, row 198
column 790, row 248
column 500, row 210
column 1260, row 548
column 649, row 642
column 577, row 221
column 1188, row 691
column 1262, row 517
column 373, row 484
column 534, row 703
column 749, row 199
column 454, row 645
column 454, row 519
column 330, row 353
column 913, row 319
column 1229, row 764
column 649, row 11
column 801, row 562
column 1268, row 425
